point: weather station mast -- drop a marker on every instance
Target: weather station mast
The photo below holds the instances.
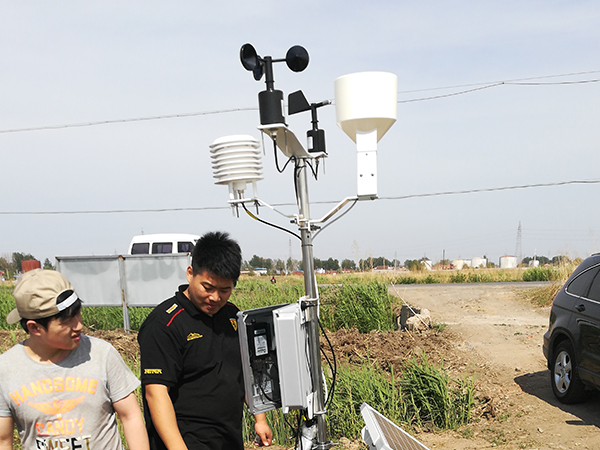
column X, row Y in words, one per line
column 280, row 344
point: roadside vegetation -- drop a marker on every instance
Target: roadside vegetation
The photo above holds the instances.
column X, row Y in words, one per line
column 418, row 394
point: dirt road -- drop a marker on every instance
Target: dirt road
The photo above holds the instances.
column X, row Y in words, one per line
column 503, row 335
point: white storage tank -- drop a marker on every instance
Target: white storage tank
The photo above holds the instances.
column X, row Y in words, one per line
column 534, row 263
column 508, row 262
column 458, row 263
column 478, row 262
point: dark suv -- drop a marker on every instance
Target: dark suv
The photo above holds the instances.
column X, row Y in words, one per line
column 572, row 342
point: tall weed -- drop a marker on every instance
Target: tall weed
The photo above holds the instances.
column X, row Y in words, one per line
column 420, row 394
column 366, row 306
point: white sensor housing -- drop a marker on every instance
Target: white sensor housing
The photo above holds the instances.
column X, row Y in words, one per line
column 365, row 108
column 236, row 161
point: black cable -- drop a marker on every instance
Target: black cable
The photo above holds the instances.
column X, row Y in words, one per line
column 317, row 202
column 277, row 160
column 225, row 111
column 313, row 170
column 268, row 223
column 336, row 219
column 334, row 369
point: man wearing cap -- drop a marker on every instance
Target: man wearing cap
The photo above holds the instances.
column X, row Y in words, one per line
column 60, row 387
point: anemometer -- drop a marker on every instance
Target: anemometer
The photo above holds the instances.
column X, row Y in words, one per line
column 280, row 344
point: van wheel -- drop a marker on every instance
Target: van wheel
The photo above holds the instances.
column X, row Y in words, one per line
column 564, row 377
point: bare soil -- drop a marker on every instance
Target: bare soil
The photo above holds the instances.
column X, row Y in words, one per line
column 501, row 336
column 490, row 332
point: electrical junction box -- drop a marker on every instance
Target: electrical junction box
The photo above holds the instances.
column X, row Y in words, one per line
column 273, row 343
column 292, row 355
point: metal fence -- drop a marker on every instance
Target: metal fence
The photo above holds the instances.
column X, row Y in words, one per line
column 125, row 280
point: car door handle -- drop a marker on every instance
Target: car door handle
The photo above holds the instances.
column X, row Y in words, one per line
column 580, row 308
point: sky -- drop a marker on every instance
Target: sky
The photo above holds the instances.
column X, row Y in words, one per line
column 490, row 95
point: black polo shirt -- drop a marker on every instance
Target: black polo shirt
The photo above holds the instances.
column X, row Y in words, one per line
column 198, row 358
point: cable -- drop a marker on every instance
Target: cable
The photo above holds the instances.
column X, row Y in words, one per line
column 333, row 369
column 336, row 219
column 518, row 81
column 268, row 223
column 451, row 94
column 135, row 119
column 506, row 188
column 292, row 158
column 318, row 202
column 514, row 80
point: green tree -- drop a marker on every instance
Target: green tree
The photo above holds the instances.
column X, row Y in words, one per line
column 257, row 261
column 279, row 265
column 48, row 265
column 348, row 264
column 291, row 264
column 17, row 258
column 414, row 265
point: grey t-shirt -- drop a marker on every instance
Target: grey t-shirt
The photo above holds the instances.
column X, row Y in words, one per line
column 67, row 405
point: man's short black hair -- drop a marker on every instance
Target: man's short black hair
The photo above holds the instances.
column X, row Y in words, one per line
column 217, row 253
column 63, row 315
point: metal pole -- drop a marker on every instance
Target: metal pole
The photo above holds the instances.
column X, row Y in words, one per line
column 310, row 287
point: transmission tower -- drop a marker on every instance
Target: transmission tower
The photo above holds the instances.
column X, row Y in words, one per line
column 518, row 249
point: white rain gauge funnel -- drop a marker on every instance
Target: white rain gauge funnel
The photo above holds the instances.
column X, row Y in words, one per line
column 236, row 161
column 365, row 108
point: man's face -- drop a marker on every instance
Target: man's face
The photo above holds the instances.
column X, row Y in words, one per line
column 208, row 292
column 63, row 334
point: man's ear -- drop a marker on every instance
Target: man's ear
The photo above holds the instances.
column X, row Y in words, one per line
column 34, row 328
column 189, row 273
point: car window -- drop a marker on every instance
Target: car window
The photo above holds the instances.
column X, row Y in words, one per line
column 162, row 247
column 594, row 293
column 580, row 285
column 142, row 248
column 185, row 247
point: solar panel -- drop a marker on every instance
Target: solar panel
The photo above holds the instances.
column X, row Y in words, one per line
column 380, row 433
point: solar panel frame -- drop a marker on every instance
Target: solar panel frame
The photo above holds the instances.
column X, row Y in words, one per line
column 385, row 434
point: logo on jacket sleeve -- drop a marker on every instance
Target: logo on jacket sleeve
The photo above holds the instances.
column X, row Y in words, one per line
column 192, row 336
column 233, row 323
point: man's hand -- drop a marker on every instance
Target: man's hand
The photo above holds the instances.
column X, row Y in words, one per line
column 264, row 433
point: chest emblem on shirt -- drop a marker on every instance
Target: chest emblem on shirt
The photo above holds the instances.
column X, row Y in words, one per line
column 57, row 407
column 233, row 323
column 172, row 308
column 192, row 336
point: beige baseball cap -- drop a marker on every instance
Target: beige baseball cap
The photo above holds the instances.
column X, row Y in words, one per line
column 36, row 294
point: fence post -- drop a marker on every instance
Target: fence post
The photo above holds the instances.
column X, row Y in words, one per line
column 124, row 303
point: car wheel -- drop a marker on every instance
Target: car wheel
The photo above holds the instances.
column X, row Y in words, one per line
column 566, row 384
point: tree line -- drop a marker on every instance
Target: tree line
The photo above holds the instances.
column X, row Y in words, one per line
column 10, row 264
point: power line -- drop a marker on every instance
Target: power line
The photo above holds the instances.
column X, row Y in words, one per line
column 514, row 80
column 135, row 119
column 476, row 87
column 323, row 202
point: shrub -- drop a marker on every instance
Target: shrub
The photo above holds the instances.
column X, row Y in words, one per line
column 541, row 274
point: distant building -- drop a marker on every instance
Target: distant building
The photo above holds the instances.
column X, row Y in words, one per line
column 508, row 262
column 478, row 262
column 458, row 263
column 260, row 270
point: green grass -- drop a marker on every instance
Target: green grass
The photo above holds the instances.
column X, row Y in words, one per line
column 366, row 306
column 420, row 394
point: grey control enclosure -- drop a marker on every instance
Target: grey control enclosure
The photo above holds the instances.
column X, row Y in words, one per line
column 273, row 343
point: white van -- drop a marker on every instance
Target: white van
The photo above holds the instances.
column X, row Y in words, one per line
column 155, row 244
